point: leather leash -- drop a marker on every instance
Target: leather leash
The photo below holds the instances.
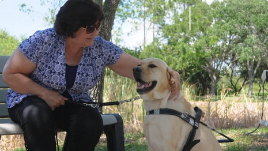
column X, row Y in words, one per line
column 97, row 104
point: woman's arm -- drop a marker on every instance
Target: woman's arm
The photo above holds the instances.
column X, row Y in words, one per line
column 16, row 71
column 16, row 76
column 124, row 65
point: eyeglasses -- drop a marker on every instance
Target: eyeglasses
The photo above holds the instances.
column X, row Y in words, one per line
column 90, row 29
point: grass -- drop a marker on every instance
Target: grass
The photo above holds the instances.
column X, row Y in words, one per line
column 257, row 141
column 133, row 142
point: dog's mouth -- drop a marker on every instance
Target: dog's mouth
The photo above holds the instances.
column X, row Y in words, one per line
column 144, row 87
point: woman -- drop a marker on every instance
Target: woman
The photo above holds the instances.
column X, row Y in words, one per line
column 59, row 64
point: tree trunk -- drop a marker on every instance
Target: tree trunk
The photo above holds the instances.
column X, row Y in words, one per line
column 251, row 74
column 214, row 79
column 109, row 9
column 213, row 87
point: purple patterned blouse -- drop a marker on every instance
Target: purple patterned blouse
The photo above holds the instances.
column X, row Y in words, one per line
column 47, row 50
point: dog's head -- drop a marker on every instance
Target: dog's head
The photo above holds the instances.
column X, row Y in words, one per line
column 154, row 79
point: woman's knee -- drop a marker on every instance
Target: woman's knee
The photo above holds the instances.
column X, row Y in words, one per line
column 34, row 111
column 87, row 121
column 36, row 108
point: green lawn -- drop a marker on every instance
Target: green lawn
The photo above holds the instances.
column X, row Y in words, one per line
column 257, row 141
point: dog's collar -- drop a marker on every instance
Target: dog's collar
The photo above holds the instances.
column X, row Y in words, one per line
column 190, row 143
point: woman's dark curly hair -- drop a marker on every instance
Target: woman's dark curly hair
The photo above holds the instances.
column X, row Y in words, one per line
column 75, row 14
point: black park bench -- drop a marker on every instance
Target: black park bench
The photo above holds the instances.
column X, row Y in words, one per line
column 112, row 123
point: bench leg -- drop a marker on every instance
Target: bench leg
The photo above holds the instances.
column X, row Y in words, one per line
column 115, row 135
column 65, row 145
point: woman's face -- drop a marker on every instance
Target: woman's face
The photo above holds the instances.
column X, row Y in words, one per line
column 85, row 36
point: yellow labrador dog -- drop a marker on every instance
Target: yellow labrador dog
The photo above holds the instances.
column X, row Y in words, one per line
column 169, row 132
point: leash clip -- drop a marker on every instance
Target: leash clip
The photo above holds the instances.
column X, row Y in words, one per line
column 157, row 111
column 92, row 105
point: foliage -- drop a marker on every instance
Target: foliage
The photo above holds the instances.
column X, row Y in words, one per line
column 50, row 15
column 247, row 33
column 8, row 43
column 209, row 40
column 135, row 53
column 203, row 42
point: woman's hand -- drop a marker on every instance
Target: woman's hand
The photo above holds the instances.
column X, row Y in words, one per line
column 53, row 99
column 175, row 92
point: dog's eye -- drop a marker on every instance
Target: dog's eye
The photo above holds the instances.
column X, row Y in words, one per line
column 152, row 66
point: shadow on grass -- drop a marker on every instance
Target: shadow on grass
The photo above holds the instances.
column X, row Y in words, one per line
column 257, row 141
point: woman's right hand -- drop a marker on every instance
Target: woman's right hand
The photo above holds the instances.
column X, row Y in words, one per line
column 53, row 99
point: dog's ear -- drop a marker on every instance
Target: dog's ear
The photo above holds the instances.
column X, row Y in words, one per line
column 172, row 79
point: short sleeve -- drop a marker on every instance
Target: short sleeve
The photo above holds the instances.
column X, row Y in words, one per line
column 31, row 46
column 111, row 52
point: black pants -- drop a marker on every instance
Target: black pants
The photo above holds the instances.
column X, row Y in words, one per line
column 82, row 124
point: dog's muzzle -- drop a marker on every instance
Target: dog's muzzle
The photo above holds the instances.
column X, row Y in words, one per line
column 142, row 87
column 137, row 73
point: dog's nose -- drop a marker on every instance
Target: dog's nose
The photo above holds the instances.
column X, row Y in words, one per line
column 137, row 69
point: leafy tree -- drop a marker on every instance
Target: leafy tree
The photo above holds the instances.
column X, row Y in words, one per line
column 228, row 33
column 245, row 20
column 8, row 43
column 236, row 77
column 172, row 36
column 191, row 42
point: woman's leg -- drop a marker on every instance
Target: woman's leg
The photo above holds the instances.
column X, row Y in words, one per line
column 84, row 126
column 37, row 122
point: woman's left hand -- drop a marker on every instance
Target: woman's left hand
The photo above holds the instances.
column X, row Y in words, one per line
column 175, row 92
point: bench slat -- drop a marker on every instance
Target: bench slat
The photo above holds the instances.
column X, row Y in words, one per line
column 107, row 119
column 3, row 95
column 7, row 127
column 3, row 111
